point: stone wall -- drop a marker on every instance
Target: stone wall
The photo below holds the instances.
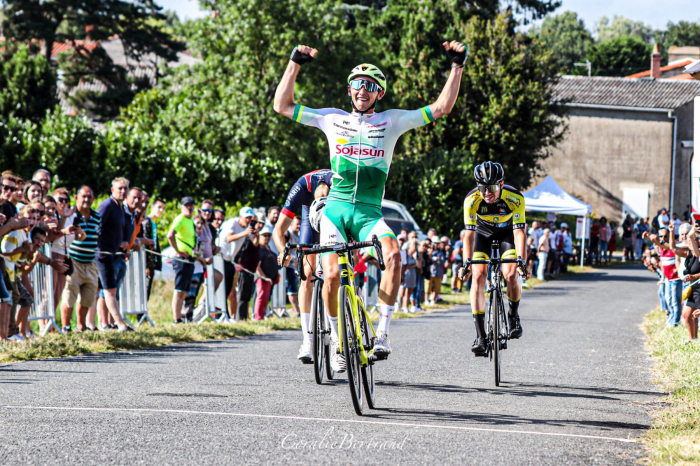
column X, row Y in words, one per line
column 606, row 151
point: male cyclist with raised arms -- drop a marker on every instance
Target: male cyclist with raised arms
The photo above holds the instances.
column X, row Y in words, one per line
column 311, row 188
column 493, row 211
column 361, row 147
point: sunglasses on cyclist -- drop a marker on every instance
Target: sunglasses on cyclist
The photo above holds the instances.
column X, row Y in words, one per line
column 8, row 188
column 489, row 187
column 368, row 85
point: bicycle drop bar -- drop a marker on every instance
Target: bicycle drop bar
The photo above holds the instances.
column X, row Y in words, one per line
column 306, row 249
column 488, row 262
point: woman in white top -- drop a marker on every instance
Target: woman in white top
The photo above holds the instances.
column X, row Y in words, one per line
column 542, row 253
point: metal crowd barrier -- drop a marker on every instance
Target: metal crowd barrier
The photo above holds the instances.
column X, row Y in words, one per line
column 133, row 299
column 215, row 299
column 44, row 307
column 371, row 288
column 278, row 297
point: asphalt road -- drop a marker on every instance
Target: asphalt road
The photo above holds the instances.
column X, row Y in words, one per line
column 576, row 391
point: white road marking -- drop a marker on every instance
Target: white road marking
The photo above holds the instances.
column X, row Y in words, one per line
column 320, row 419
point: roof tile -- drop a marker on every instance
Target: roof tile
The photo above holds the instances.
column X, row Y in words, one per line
column 626, row 92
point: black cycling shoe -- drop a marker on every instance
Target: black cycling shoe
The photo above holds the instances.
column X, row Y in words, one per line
column 479, row 347
column 516, row 330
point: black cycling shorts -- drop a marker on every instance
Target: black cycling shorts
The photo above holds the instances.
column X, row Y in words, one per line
column 307, row 235
column 483, row 241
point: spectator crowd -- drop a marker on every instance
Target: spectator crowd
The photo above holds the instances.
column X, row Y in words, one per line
column 673, row 256
column 90, row 248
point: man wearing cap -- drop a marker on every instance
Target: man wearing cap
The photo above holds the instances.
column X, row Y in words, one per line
column 183, row 239
column 231, row 237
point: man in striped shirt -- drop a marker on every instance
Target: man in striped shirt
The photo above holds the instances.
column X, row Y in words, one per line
column 83, row 281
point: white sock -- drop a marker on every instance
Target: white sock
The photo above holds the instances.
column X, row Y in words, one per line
column 334, row 328
column 305, row 325
column 385, row 313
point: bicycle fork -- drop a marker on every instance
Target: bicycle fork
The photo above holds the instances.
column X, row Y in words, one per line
column 347, row 277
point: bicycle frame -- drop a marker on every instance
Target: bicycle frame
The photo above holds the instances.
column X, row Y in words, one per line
column 347, row 281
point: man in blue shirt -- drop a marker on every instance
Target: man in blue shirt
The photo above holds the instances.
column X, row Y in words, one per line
column 112, row 246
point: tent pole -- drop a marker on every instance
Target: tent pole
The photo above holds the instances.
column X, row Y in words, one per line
column 583, row 240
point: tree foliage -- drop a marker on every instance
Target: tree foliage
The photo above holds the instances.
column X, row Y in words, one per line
column 503, row 112
column 211, row 129
column 69, row 20
column 27, row 86
column 566, row 36
column 620, row 27
column 620, row 56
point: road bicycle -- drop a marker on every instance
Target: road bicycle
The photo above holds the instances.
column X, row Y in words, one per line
column 321, row 333
column 498, row 332
column 357, row 333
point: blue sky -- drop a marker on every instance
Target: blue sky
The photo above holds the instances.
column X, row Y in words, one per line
column 655, row 13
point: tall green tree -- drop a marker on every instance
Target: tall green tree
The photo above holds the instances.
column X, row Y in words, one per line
column 27, row 85
column 620, row 56
column 222, row 107
column 566, row 36
column 682, row 34
column 504, row 112
column 620, row 26
column 68, row 21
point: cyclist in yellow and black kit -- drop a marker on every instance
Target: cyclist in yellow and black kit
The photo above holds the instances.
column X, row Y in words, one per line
column 494, row 211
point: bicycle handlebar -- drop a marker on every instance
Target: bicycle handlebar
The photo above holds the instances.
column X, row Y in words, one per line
column 468, row 262
column 306, row 249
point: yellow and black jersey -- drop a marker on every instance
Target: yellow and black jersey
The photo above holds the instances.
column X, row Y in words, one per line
column 508, row 211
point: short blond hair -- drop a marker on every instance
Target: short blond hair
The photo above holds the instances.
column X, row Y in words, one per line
column 120, row 179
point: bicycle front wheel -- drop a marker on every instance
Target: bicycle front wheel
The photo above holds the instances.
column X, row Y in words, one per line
column 494, row 312
column 319, row 328
column 368, row 370
column 351, row 351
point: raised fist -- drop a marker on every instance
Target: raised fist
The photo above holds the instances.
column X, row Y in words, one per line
column 457, row 52
column 303, row 54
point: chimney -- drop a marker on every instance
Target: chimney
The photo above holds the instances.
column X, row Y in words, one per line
column 656, row 63
column 88, row 29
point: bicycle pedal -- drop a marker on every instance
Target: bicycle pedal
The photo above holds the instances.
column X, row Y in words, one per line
column 307, row 361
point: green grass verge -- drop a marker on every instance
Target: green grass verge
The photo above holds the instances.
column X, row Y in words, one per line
column 674, row 437
column 165, row 333
column 54, row 345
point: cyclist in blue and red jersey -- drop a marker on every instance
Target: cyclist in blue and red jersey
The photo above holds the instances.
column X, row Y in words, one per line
column 312, row 186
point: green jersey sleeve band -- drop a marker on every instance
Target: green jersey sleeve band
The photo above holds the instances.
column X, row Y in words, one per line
column 427, row 115
column 298, row 112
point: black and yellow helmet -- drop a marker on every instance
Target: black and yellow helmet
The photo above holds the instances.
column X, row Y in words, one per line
column 488, row 173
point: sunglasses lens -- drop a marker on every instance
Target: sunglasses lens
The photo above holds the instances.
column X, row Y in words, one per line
column 369, row 85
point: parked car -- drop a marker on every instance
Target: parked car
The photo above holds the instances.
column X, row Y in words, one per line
column 397, row 217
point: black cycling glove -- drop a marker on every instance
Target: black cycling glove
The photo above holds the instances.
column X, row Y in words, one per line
column 458, row 59
column 300, row 58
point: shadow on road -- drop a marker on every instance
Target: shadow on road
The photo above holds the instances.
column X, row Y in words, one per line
column 525, row 390
column 492, row 420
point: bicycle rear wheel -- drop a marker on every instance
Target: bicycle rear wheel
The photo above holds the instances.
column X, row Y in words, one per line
column 494, row 313
column 368, row 370
column 319, row 321
column 351, row 351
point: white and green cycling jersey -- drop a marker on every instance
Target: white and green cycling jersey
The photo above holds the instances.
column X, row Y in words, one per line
column 361, row 147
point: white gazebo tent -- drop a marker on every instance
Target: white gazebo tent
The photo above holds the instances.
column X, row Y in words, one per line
column 548, row 196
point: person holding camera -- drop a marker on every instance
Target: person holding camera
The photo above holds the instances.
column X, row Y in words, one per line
column 247, row 259
column 231, row 238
